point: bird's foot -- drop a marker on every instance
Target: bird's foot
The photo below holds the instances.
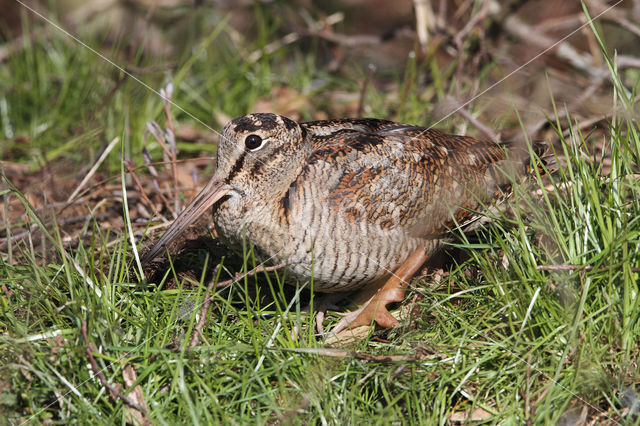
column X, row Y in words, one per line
column 325, row 303
column 393, row 290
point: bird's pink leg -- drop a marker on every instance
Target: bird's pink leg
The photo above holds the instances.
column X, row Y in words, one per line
column 326, row 302
column 375, row 309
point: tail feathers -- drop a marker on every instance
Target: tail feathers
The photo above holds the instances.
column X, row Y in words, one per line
column 547, row 161
column 501, row 176
column 519, row 161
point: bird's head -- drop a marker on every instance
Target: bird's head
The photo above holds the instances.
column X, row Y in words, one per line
column 257, row 153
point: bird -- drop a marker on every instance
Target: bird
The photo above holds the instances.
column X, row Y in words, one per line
column 349, row 204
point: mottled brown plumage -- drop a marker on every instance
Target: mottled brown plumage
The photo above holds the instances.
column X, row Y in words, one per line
column 345, row 201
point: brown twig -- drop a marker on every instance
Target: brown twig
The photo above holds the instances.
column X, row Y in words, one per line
column 345, row 40
column 156, row 131
column 586, row 124
column 252, row 272
column 136, row 181
column 34, row 228
column 48, row 206
column 537, row 401
column 462, row 9
column 272, row 47
column 341, row 353
column 625, row 61
column 587, row 94
column 323, row 29
column 615, row 15
column 166, row 100
column 170, row 136
column 159, row 135
column 471, row 119
column 149, row 165
column 574, row 268
column 566, row 22
column 93, row 170
column 108, row 96
column 204, row 310
column 475, row 20
column 152, row 170
column 115, row 393
column 397, row 371
column 563, row 50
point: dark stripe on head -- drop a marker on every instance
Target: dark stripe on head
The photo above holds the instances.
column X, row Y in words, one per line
column 236, row 168
column 253, row 122
column 256, row 170
column 289, row 124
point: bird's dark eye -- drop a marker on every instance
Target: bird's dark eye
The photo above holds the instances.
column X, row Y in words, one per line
column 253, row 142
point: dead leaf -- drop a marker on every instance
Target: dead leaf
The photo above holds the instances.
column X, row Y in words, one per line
column 134, row 416
column 478, row 414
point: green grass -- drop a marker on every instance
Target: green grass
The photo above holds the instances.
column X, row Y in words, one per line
column 496, row 334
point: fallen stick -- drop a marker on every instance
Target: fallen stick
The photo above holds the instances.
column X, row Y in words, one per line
column 574, row 268
column 115, row 393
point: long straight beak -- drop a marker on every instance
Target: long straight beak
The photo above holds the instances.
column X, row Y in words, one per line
column 211, row 193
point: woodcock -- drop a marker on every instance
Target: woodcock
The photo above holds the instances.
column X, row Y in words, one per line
column 348, row 202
